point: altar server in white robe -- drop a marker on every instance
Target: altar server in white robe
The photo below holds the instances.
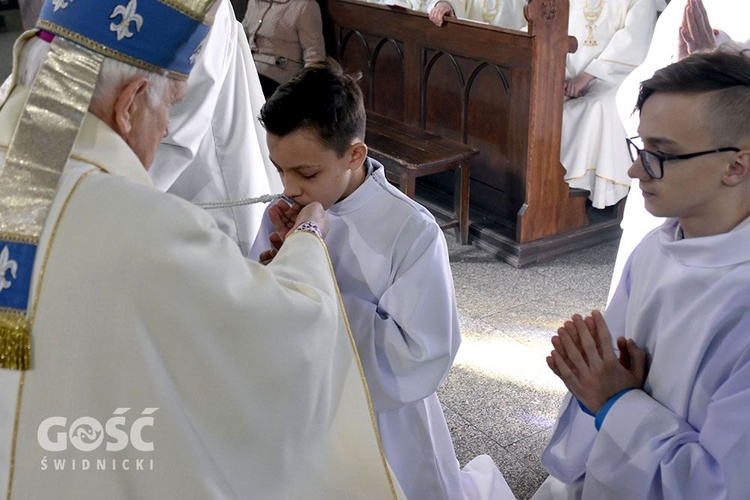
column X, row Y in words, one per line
column 141, row 355
column 684, row 27
column 391, row 264
column 668, row 418
column 613, row 37
column 216, row 149
column 504, row 13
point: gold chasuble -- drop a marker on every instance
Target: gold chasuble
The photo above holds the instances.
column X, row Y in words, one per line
column 142, row 355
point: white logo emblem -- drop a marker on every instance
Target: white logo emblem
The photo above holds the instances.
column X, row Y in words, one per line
column 128, row 16
column 6, row 264
column 88, row 434
column 60, row 4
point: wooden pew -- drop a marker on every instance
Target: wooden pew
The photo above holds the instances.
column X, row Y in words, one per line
column 408, row 153
column 497, row 90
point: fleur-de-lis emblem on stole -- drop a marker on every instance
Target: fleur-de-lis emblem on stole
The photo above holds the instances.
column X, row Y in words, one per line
column 198, row 50
column 6, row 264
column 128, row 17
column 59, row 4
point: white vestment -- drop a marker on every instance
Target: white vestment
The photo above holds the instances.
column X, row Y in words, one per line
column 216, row 149
column 686, row 435
column 166, row 365
column 613, row 38
column 503, row 13
column 418, row 5
column 391, row 263
column 732, row 18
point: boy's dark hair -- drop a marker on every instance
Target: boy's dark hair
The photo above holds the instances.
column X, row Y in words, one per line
column 323, row 98
column 725, row 73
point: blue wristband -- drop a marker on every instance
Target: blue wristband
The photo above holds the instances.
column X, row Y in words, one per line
column 602, row 413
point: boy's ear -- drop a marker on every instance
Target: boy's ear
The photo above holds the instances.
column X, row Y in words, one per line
column 739, row 170
column 357, row 155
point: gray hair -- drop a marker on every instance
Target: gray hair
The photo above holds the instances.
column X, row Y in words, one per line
column 112, row 76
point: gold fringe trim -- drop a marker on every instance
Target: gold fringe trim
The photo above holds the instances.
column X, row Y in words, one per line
column 15, row 340
column 19, row 238
column 195, row 9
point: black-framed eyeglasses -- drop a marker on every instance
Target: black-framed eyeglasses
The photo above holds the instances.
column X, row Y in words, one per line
column 650, row 159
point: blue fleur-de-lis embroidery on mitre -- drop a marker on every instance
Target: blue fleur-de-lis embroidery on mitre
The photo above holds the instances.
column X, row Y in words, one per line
column 128, row 16
column 59, row 4
column 198, row 51
column 6, row 264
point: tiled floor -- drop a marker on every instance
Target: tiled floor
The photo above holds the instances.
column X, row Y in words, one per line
column 500, row 398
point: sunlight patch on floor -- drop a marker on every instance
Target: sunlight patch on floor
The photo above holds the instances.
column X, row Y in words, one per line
column 502, row 358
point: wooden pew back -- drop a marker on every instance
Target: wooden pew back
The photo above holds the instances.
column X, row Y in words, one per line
column 497, row 90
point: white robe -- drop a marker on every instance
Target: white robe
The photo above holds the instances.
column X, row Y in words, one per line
column 391, row 263
column 216, row 149
column 593, row 149
column 732, row 18
column 503, row 13
column 417, row 5
column 686, row 435
column 171, row 366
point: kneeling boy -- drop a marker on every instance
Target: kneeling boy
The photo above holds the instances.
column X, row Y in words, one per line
column 679, row 429
column 391, row 262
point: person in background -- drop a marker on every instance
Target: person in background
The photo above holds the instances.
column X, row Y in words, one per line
column 216, row 148
column 503, row 13
column 613, row 38
column 285, row 36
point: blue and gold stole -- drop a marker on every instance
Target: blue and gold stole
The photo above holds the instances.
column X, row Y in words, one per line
column 28, row 182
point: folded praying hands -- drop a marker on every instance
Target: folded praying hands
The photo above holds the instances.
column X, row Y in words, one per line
column 696, row 32
column 584, row 359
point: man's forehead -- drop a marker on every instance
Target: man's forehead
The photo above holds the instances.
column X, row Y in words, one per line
column 666, row 114
column 685, row 101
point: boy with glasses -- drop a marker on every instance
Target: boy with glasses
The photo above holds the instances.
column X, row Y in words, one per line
column 653, row 162
column 684, row 27
column 666, row 416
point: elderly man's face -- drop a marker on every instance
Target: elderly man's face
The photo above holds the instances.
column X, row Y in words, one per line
column 151, row 124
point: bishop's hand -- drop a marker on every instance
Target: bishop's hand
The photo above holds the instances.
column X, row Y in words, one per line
column 314, row 212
